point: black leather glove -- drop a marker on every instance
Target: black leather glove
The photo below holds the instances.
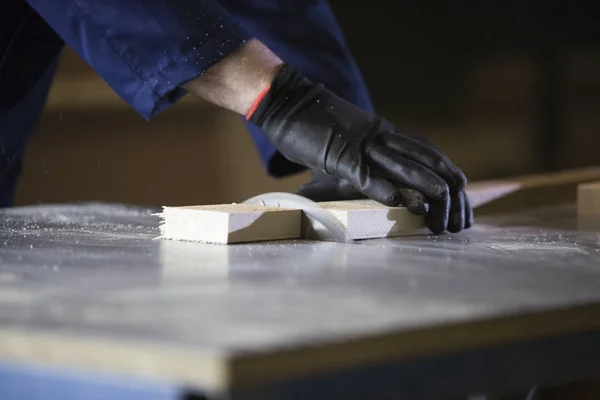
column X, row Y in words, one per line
column 325, row 187
column 313, row 127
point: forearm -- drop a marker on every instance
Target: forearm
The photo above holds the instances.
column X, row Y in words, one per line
column 236, row 81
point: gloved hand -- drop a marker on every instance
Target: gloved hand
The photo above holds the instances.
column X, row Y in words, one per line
column 312, row 126
column 325, row 187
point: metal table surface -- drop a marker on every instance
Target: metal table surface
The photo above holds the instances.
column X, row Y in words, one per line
column 87, row 290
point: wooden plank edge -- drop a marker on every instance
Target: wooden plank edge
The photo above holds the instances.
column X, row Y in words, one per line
column 229, row 223
column 588, row 199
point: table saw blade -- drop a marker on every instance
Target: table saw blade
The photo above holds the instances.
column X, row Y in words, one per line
column 315, row 214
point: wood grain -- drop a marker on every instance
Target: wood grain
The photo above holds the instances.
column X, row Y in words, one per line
column 229, row 223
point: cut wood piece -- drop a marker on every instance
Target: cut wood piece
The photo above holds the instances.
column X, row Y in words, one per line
column 230, row 223
column 588, row 199
column 365, row 219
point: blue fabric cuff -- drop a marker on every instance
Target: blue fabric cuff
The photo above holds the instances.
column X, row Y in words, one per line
column 162, row 88
column 145, row 50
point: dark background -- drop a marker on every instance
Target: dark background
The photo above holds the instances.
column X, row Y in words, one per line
column 504, row 88
column 501, row 59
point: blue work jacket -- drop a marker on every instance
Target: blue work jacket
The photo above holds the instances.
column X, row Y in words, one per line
column 146, row 49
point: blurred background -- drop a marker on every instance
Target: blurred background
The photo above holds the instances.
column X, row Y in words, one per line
column 504, row 88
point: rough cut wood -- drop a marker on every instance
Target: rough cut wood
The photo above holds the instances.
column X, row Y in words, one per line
column 230, row 223
column 588, row 199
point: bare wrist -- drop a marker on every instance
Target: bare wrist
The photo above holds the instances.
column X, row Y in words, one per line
column 236, row 81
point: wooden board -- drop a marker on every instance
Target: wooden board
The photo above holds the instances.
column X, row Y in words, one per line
column 365, row 219
column 588, row 199
column 229, row 223
column 529, row 191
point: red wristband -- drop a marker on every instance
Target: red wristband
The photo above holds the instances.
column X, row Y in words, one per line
column 257, row 101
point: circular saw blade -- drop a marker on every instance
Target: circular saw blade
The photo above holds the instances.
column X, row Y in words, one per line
column 313, row 211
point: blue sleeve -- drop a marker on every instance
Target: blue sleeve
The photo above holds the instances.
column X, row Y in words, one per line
column 306, row 34
column 145, row 49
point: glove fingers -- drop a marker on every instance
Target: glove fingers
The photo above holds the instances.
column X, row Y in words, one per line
column 456, row 220
column 427, row 155
column 385, row 192
column 437, row 217
column 414, row 201
column 417, row 177
column 378, row 188
column 409, row 174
